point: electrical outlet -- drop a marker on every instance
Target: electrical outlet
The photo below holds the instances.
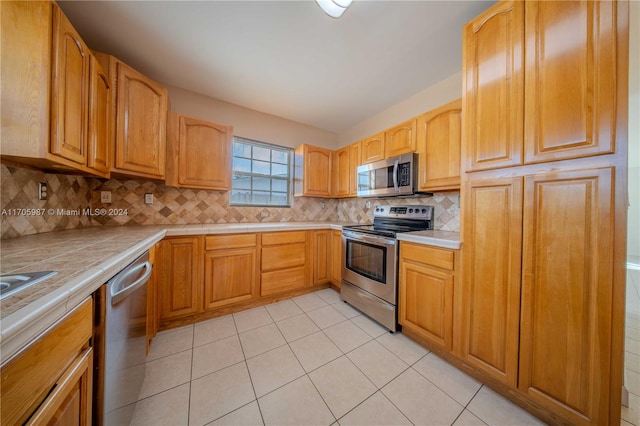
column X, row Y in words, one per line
column 264, row 214
column 42, row 191
column 322, row 205
column 105, row 197
column 368, row 204
column 148, row 198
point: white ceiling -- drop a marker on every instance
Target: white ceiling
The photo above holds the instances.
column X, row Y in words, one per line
column 285, row 58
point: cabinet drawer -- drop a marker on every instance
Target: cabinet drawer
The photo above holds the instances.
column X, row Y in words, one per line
column 214, row 242
column 28, row 377
column 284, row 280
column 440, row 258
column 272, row 238
column 281, row 257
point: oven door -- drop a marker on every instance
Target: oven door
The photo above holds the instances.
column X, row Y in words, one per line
column 370, row 263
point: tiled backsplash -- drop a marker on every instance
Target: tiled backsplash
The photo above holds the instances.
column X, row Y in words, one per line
column 24, row 214
column 71, row 196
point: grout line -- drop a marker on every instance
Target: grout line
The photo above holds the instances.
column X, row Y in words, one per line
column 193, row 341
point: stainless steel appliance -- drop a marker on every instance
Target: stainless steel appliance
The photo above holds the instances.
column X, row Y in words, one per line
column 120, row 341
column 370, row 268
column 391, row 177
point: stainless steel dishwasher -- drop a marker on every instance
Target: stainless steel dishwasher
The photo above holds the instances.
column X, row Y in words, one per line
column 120, row 342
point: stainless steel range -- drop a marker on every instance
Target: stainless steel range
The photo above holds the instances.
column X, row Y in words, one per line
column 370, row 269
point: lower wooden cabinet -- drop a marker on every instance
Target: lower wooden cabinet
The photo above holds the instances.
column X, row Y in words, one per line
column 337, row 258
column 321, row 256
column 283, row 262
column 490, row 296
column 71, row 399
column 180, row 277
column 427, row 281
column 50, row 381
column 152, row 295
column 230, row 270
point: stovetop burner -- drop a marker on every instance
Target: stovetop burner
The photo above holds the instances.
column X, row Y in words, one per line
column 391, row 220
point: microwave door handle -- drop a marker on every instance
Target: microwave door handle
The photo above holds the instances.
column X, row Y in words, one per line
column 395, row 176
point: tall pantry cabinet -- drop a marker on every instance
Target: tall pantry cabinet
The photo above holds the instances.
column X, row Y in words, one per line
column 544, row 205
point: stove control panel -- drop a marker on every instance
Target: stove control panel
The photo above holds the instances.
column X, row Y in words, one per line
column 407, row 211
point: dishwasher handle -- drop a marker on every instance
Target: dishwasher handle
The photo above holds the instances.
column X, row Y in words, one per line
column 121, row 294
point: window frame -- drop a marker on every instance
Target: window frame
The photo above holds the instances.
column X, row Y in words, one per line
column 251, row 175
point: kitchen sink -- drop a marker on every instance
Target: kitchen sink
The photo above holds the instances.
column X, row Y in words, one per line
column 11, row 283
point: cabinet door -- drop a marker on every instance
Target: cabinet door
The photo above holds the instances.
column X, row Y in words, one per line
column 337, row 258
column 373, row 148
column 565, row 362
column 355, row 150
column 570, row 79
column 69, row 91
column 425, row 297
column 439, row 136
column 141, row 119
column 317, row 171
column 493, row 87
column 180, row 280
column 492, row 235
column 400, row 139
column 230, row 277
column 204, row 154
column 152, row 296
column 321, row 257
column 341, row 176
column 70, row 402
column 99, row 119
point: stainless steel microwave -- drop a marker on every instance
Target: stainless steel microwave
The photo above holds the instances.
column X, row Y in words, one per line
column 390, row 177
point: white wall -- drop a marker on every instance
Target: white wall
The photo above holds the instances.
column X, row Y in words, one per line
column 249, row 123
column 633, row 234
column 439, row 94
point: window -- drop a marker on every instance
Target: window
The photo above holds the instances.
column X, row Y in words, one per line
column 261, row 174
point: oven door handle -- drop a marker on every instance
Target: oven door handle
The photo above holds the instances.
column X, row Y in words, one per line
column 395, row 176
column 381, row 241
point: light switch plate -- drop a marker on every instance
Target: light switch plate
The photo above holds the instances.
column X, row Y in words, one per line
column 105, row 197
column 148, row 198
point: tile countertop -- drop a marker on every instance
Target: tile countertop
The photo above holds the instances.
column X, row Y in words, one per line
column 86, row 258
column 444, row 239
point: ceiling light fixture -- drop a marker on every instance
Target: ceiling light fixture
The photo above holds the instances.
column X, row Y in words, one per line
column 334, row 8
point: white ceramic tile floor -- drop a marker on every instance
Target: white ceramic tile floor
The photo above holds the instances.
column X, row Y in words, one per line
column 339, row 367
column 631, row 414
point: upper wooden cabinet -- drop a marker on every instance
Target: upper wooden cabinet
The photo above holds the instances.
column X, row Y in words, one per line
column 138, row 120
column 492, row 87
column 570, row 79
column 373, row 148
column 199, row 153
column 50, row 95
column 340, row 163
column 344, row 164
column 540, row 83
column 99, row 119
column 400, row 139
column 355, row 155
column 69, row 91
column 439, row 138
column 312, row 171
